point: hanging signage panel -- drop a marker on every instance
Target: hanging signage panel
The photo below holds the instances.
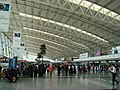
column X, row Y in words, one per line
column 23, row 49
column 84, row 55
column 5, row 6
column 16, row 39
column 16, row 42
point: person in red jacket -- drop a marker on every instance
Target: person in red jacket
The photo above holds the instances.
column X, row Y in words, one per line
column 50, row 70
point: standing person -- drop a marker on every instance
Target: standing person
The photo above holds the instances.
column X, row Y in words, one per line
column 66, row 70
column 50, row 70
column 88, row 68
column 21, row 70
column 58, row 70
column 114, row 71
column 70, row 70
column 62, row 69
column 31, row 70
column 0, row 68
column 35, row 70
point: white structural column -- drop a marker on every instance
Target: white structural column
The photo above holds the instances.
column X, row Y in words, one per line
column 11, row 49
column 7, row 47
column 1, row 46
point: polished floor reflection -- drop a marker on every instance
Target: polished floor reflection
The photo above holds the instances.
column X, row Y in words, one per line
column 99, row 81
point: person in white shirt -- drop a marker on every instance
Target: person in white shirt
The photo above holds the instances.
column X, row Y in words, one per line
column 114, row 72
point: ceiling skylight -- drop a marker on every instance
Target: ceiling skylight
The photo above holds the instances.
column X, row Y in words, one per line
column 48, row 51
column 37, row 47
column 33, row 43
column 48, row 41
column 96, row 8
column 55, row 36
column 64, row 25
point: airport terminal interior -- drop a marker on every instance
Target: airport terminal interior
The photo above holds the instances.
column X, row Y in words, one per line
column 59, row 44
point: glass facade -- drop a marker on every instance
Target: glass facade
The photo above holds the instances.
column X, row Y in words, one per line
column 6, row 49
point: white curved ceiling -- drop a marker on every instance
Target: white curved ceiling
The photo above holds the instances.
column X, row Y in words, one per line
column 66, row 27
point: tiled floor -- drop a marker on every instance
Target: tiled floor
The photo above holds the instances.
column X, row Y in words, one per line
column 77, row 82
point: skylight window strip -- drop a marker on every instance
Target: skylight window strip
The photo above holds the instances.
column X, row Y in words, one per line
column 98, row 8
column 46, row 40
column 116, row 16
column 36, row 48
column 29, row 45
column 94, row 7
column 35, row 17
column 51, row 21
column 50, row 42
column 59, row 23
column 55, row 36
column 43, row 19
column 65, row 25
column 30, row 16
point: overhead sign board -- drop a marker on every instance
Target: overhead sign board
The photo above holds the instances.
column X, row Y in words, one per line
column 5, row 6
column 84, row 55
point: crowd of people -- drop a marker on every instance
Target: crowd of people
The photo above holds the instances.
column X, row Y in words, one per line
column 39, row 70
column 35, row 70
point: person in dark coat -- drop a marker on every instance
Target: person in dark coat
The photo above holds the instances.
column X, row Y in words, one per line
column 66, row 70
column 71, row 70
column 58, row 70
column 31, row 71
column 0, row 68
column 35, row 70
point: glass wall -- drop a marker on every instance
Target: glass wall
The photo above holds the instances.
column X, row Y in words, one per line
column 6, row 47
